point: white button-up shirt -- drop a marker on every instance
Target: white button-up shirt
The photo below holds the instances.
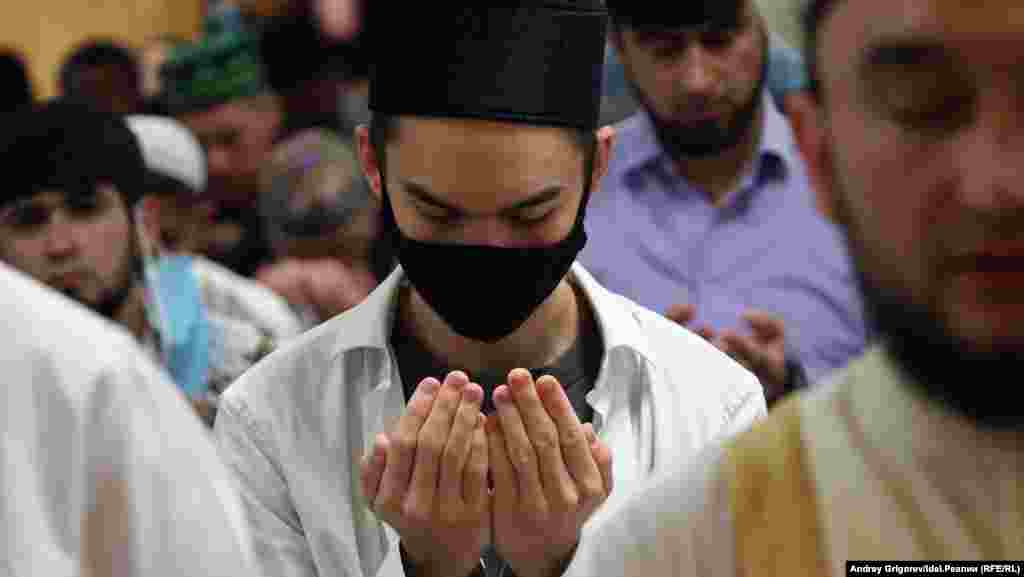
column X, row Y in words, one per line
column 104, row 469
column 295, row 427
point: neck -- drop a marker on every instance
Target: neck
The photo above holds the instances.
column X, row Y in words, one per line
column 718, row 175
column 543, row 338
column 132, row 313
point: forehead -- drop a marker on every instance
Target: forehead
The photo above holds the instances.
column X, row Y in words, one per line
column 992, row 30
column 460, row 155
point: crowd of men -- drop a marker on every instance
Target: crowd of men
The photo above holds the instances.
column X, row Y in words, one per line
column 344, row 290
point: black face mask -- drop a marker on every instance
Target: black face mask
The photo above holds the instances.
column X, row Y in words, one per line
column 484, row 293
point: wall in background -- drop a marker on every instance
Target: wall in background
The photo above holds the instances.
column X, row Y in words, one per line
column 45, row 30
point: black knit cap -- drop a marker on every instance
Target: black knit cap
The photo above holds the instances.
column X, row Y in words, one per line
column 533, row 62
column 67, row 146
column 675, row 15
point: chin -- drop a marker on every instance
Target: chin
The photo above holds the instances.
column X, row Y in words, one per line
column 960, row 356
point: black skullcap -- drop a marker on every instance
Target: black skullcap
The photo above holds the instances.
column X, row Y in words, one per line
column 534, row 62
column 673, row 15
column 67, row 146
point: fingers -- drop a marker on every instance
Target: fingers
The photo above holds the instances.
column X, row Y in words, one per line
column 474, row 481
column 682, row 314
column 457, row 450
column 372, row 469
column 520, row 450
column 602, row 456
column 766, row 327
column 707, row 333
column 506, row 487
column 743, row 349
column 429, row 446
column 575, row 447
column 559, row 487
column 402, row 448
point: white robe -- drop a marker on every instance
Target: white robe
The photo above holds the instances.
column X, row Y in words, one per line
column 295, row 427
column 88, row 419
column 897, row 477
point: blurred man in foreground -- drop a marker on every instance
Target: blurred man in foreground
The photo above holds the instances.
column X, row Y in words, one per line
column 104, row 472
column 912, row 452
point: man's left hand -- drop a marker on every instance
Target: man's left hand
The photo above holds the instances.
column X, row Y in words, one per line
column 763, row 352
column 550, row 474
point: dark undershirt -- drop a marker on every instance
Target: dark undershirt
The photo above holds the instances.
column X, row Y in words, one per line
column 576, row 370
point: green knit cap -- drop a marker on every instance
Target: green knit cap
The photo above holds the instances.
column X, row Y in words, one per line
column 220, row 67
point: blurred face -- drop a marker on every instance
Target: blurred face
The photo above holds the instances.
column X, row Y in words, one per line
column 237, row 138
column 701, row 86
column 113, row 89
column 921, row 144
column 484, row 183
column 82, row 245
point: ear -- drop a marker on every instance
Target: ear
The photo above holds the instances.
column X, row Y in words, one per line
column 602, row 157
column 368, row 160
column 807, row 120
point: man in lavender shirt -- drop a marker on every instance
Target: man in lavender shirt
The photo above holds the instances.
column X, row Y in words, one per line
column 706, row 213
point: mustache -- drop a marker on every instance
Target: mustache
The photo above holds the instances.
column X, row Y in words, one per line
column 994, row 241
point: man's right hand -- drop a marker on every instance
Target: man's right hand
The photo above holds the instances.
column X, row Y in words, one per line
column 428, row 479
column 328, row 286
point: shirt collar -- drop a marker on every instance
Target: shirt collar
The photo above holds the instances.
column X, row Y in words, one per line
column 368, row 325
column 640, row 149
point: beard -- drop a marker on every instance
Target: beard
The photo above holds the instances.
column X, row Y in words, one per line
column 706, row 138
column 950, row 370
column 111, row 300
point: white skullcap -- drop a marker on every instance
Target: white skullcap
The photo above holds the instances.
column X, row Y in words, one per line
column 170, row 150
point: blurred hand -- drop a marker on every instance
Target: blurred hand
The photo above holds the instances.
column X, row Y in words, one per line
column 763, row 353
column 428, row 479
column 328, row 286
column 550, row 474
column 339, row 19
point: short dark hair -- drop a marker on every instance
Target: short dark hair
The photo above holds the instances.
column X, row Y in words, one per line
column 812, row 18
column 69, row 146
column 15, row 85
column 383, row 127
column 94, row 54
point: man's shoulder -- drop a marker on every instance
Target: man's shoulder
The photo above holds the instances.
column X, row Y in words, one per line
column 300, row 373
column 230, row 294
column 676, row 347
column 65, row 350
column 45, row 326
column 672, row 350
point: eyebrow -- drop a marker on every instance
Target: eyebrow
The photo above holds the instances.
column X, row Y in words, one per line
column 422, row 194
